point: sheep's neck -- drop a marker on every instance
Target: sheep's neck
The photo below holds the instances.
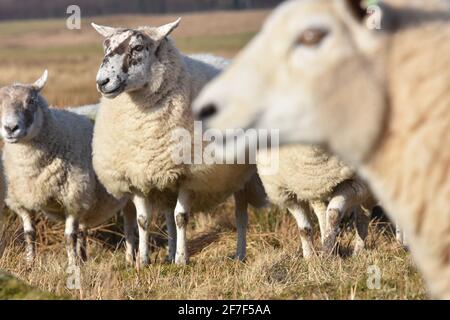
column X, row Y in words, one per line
column 409, row 170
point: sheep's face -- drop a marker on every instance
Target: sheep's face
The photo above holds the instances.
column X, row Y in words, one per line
column 21, row 111
column 310, row 73
column 130, row 55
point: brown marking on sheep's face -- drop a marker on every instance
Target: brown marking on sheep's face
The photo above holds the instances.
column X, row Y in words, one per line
column 125, row 66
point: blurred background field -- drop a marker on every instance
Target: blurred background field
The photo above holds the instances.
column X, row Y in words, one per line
column 27, row 47
column 274, row 268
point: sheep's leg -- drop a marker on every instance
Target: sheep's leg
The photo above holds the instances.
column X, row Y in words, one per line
column 129, row 222
column 301, row 215
column 320, row 210
column 241, row 224
column 70, row 233
column 82, row 243
column 143, row 213
column 400, row 235
column 347, row 195
column 172, row 234
column 182, row 210
column 29, row 231
column 362, row 220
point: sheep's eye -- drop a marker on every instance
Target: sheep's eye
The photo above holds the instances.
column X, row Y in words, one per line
column 138, row 48
column 312, row 37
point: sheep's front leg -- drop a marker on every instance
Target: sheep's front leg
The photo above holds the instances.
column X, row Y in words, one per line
column 172, row 234
column 70, row 232
column 241, row 224
column 181, row 214
column 129, row 222
column 362, row 220
column 82, row 243
column 29, row 232
column 301, row 215
column 143, row 213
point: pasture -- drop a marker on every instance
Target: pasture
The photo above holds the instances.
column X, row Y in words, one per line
column 274, row 268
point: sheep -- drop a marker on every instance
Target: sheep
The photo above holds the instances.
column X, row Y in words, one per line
column 48, row 167
column 309, row 178
column 378, row 98
column 147, row 87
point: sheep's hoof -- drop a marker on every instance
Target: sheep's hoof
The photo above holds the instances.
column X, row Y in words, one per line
column 169, row 260
column 329, row 246
column 181, row 260
column 359, row 248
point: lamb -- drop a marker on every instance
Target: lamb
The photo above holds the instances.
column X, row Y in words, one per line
column 48, row 165
column 309, row 178
column 147, row 87
column 380, row 99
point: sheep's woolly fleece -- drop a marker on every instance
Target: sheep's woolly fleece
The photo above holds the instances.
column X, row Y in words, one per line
column 305, row 173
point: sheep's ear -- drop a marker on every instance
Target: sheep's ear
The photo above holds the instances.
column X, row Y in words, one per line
column 167, row 29
column 357, row 9
column 40, row 83
column 104, row 30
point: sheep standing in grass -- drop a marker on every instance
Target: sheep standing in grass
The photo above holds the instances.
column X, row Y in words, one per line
column 310, row 179
column 48, row 165
column 149, row 86
column 379, row 98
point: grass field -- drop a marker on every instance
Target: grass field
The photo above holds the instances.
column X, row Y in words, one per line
column 274, row 267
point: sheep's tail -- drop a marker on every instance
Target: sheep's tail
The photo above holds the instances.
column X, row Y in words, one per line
column 89, row 111
column 255, row 193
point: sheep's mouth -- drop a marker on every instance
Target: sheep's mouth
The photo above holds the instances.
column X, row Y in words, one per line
column 114, row 92
column 12, row 140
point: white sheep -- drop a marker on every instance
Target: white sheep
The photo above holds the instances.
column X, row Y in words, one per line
column 308, row 179
column 148, row 86
column 48, row 167
column 379, row 98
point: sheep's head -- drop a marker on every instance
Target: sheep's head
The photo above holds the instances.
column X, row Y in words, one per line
column 130, row 57
column 313, row 72
column 21, row 108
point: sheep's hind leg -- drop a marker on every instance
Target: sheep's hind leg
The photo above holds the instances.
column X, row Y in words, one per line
column 70, row 232
column 129, row 222
column 82, row 243
column 241, row 207
column 29, row 231
column 362, row 220
column 182, row 210
column 301, row 215
column 171, row 233
column 320, row 210
column 347, row 195
column 143, row 212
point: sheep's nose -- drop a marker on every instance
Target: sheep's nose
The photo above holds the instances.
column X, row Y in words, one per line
column 11, row 128
column 206, row 112
column 102, row 82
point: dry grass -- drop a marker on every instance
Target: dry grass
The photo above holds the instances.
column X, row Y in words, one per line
column 274, row 268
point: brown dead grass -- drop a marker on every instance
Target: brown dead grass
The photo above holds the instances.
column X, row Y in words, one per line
column 274, row 268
